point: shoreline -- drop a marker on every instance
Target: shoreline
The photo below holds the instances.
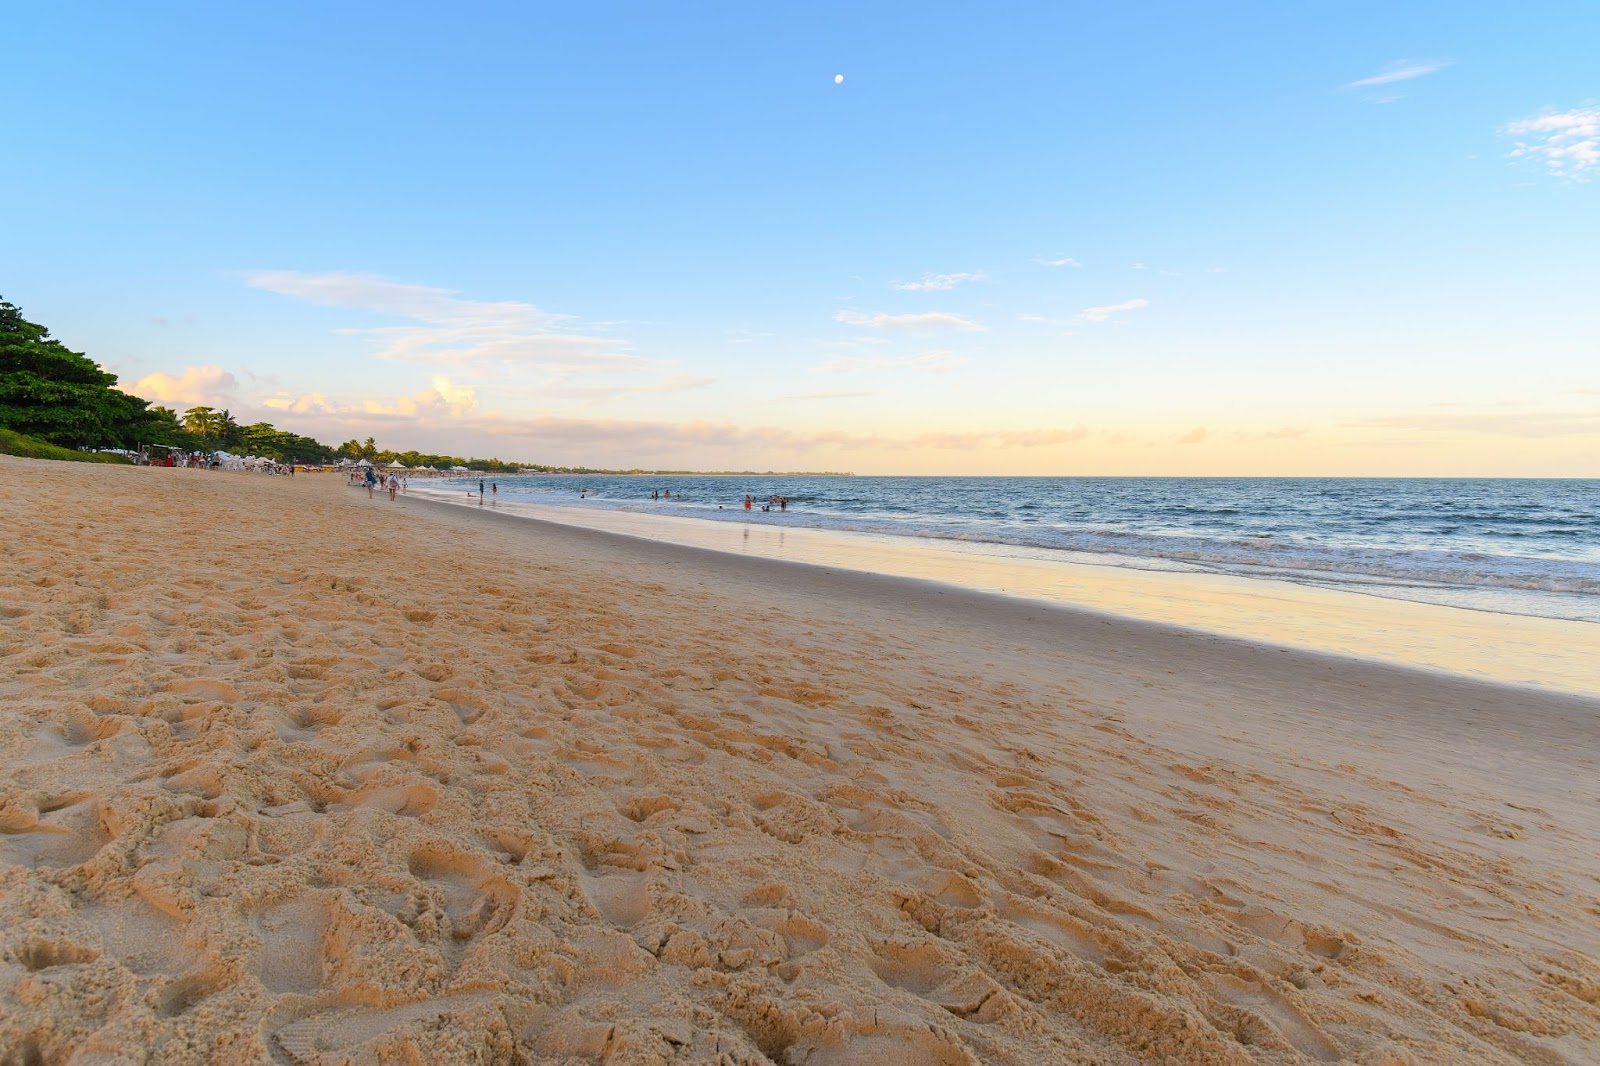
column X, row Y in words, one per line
column 1556, row 654
column 299, row 776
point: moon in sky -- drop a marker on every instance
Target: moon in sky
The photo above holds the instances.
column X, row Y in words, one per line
column 838, row 79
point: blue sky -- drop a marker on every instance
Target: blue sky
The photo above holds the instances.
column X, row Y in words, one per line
column 1062, row 238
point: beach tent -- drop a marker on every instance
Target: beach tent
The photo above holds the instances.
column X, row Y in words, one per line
column 363, row 463
column 459, row 470
column 398, row 466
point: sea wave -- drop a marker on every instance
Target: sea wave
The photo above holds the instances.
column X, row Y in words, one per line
column 1418, row 540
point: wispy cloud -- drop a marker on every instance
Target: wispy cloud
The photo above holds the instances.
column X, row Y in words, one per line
column 938, row 282
column 1567, row 142
column 592, row 393
column 1401, row 70
column 1194, row 436
column 1056, row 261
column 1068, row 326
column 828, row 395
column 918, row 323
column 449, row 330
column 936, row 362
column 1101, row 314
column 1281, row 433
column 1497, row 423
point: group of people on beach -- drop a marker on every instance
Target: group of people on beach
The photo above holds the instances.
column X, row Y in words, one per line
column 374, row 481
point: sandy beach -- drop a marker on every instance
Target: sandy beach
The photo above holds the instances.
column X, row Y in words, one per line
column 295, row 776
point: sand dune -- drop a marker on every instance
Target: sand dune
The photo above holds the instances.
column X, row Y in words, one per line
column 294, row 776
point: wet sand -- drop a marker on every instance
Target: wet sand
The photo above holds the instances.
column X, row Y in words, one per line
column 291, row 775
column 1546, row 652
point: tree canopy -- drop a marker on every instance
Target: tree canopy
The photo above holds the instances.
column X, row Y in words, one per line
column 54, row 394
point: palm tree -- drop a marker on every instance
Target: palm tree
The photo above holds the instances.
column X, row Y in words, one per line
column 227, row 428
column 201, row 421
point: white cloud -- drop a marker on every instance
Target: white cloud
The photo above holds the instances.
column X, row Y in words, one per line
column 1068, row 325
column 1100, row 314
column 209, row 385
column 1402, row 70
column 938, row 282
column 1194, row 436
column 449, row 330
column 937, row 362
column 443, row 398
column 1056, row 261
column 919, row 323
column 1568, row 142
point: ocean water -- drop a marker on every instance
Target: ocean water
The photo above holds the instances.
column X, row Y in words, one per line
column 1505, row 545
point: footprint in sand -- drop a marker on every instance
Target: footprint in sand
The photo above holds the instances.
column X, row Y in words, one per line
column 468, row 707
column 927, row 970
column 59, row 833
column 338, row 1035
column 1266, row 1009
column 1059, row 928
column 291, row 935
column 476, row 900
column 615, row 875
column 407, row 800
column 73, row 731
column 305, row 721
column 203, row 688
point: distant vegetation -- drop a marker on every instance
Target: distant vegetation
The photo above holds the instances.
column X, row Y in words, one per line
column 55, row 403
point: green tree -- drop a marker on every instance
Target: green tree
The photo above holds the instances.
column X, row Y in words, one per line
column 57, row 395
column 201, row 421
column 369, row 449
column 227, row 429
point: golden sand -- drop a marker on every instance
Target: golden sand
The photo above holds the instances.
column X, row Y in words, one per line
column 295, row 776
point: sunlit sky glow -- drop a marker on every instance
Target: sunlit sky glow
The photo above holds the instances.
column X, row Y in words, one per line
column 1025, row 239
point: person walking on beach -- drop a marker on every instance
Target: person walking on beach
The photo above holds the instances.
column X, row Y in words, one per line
column 494, row 489
column 372, row 481
column 393, row 485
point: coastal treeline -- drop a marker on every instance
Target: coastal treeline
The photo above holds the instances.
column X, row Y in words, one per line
column 53, row 398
